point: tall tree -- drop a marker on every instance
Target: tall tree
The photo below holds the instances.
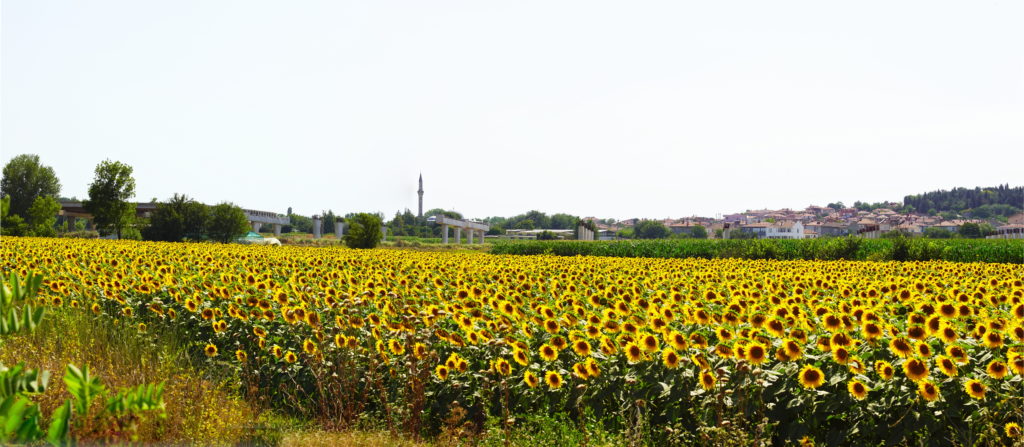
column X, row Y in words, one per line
column 24, row 179
column 109, row 193
column 363, row 231
column 42, row 216
column 227, row 222
column 178, row 218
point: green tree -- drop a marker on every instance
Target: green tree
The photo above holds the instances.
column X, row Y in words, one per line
column 970, row 230
column 24, row 179
column 10, row 224
column 227, row 222
column 699, row 232
column 363, row 230
column 937, row 233
column 651, row 229
column 42, row 216
column 177, row 219
column 109, row 193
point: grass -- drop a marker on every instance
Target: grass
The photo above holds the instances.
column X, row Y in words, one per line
column 203, row 406
column 200, row 407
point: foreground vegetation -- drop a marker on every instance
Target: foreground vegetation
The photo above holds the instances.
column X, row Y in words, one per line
column 611, row 351
column 830, row 249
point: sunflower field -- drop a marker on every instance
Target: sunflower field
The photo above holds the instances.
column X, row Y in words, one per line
column 663, row 351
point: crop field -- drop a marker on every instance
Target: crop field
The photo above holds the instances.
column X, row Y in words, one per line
column 825, row 249
column 660, row 351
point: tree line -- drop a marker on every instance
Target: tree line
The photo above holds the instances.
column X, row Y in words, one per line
column 31, row 189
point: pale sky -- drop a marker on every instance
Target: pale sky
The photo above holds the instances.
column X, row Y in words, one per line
column 611, row 109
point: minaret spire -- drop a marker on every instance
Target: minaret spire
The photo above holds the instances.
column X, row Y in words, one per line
column 421, row 195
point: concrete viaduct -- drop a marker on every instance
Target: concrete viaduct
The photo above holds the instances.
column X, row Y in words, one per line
column 472, row 228
column 74, row 210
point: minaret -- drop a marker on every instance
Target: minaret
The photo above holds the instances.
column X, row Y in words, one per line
column 421, row 195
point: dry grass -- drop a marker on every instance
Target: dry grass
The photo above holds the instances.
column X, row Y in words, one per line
column 347, row 438
column 199, row 409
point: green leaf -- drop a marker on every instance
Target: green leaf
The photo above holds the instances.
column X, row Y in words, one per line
column 57, row 434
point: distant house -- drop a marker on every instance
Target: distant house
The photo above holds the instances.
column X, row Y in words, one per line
column 769, row 230
column 1016, row 219
column 684, row 228
column 1012, row 231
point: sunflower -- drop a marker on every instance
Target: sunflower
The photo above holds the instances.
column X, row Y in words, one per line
column 793, row 349
column 241, row 356
column 670, row 358
column 210, row 350
column 633, row 352
column 1017, row 364
column 582, row 347
column 958, row 353
column 530, row 379
column 677, row 340
column 723, row 351
column 946, row 365
column 700, row 360
column 975, row 389
column 915, row 370
column 650, row 343
column 841, row 355
column 419, row 350
column 811, row 377
column 900, row 347
column 520, row 356
column 923, row 349
column 548, row 353
column 290, row 357
column 856, row 365
column 1013, row 430
column 884, row 369
column 996, row 369
column 993, row 340
column 503, row 367
column 309, row 347
column 441, row 371
column 871, row 331
column 756, row 353
column 707, row 381
column 396, row 347
column 559, row 343
column 580, row 370
column 858, row 389
column 928, row 390
column 553, row 379
column 948, row 334
column 592, row 369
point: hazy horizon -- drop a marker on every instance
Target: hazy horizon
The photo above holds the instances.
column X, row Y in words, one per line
column 652, row 110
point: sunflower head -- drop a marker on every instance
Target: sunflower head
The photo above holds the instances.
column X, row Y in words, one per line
column 928, row 390
column 530, row 379
column 975, row 388
column 670, row 358
column 915, row 369
column 756, row 353
column 548, row 352
column 996, row 369
column 811, row 377
column 707, row 380
column 553, row 379
column 441, row 371
column 857, row 389
column 210, row 350
column 1013, row 430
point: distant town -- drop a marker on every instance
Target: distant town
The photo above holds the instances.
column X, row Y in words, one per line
column 813, row 222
